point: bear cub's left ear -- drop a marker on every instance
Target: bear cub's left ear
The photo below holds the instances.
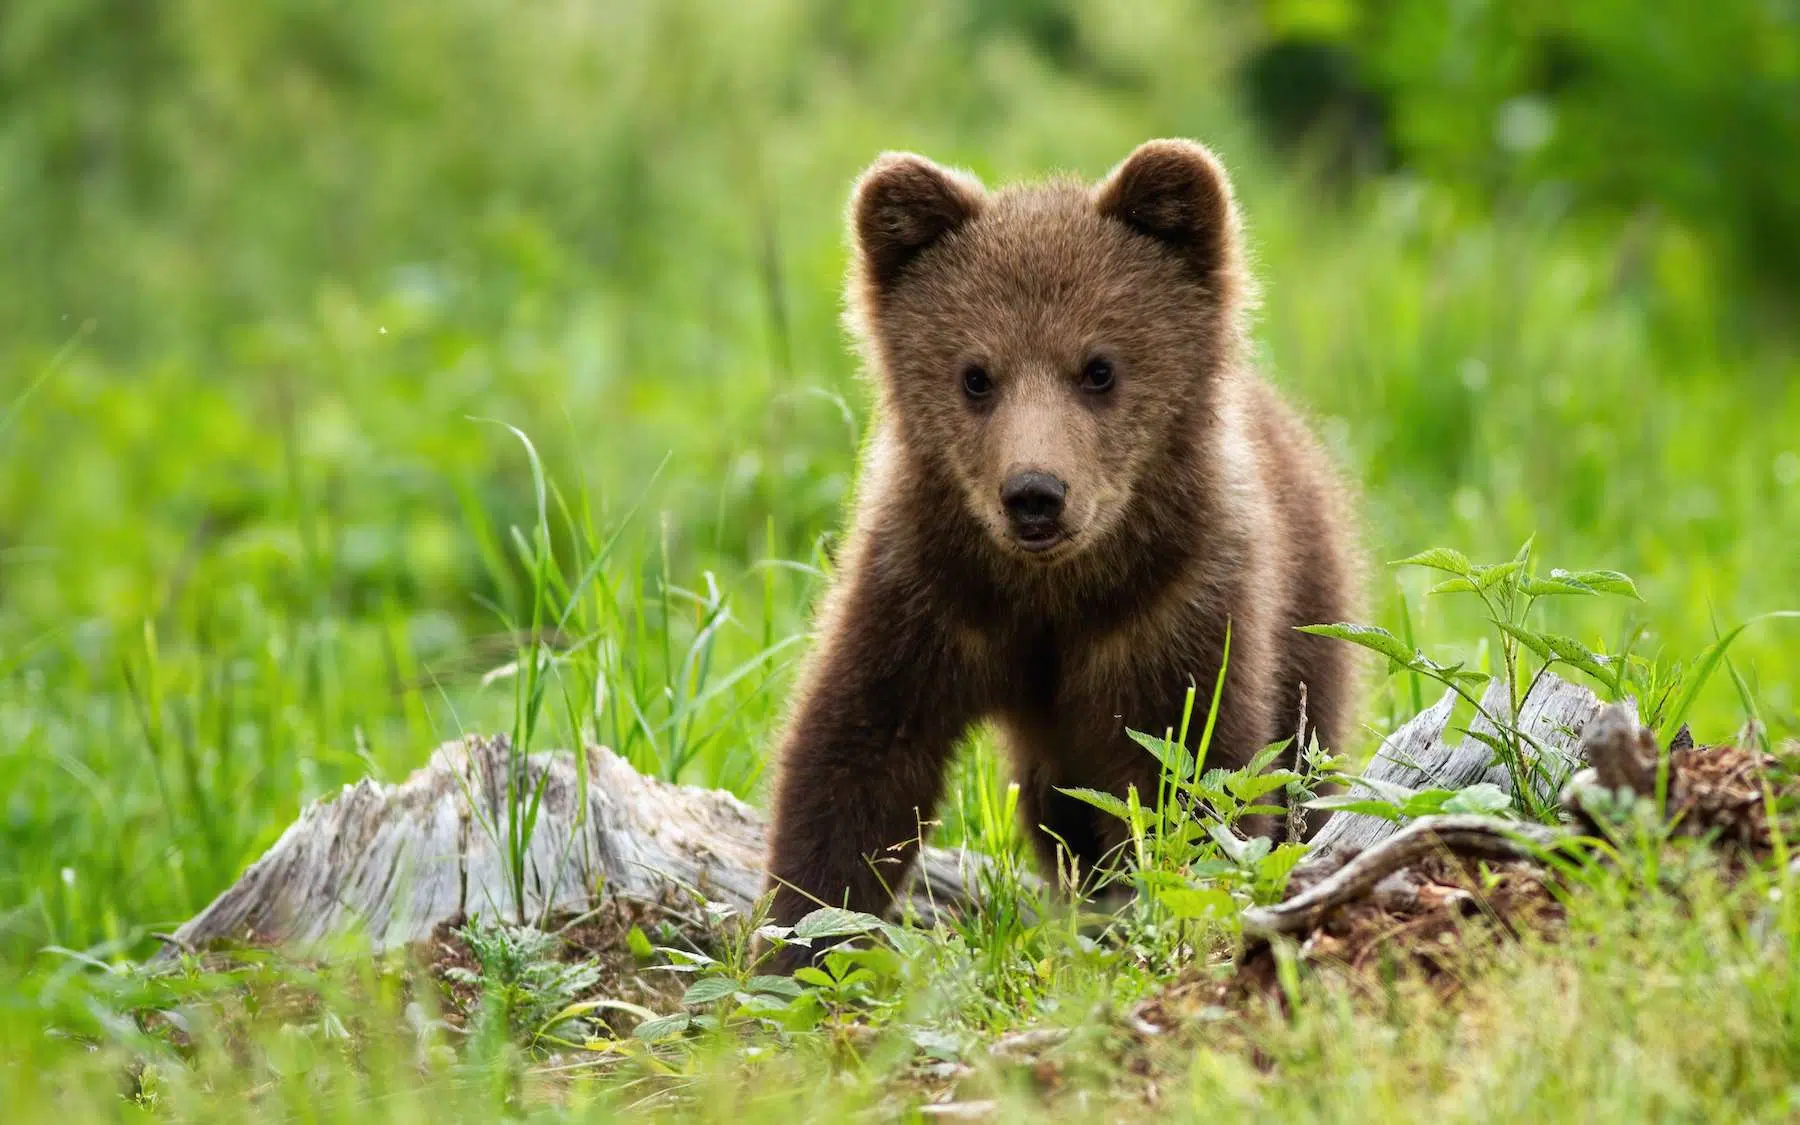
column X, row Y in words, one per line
column 1176, row 192
column 902, row 205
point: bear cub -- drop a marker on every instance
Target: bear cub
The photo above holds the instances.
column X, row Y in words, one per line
column 1076, row 483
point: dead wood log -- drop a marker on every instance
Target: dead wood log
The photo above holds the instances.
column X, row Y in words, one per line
column 1708, row 790
column 393, row 862
column 1424, row 754
column 1356, row 855
column 1621, row 754
column 1601, row 748
column 1481, row 837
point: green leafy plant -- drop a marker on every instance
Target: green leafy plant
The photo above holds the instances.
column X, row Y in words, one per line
column 731, row 992
column 528, row 994
column 1508, row 591
column 1391, row 801
column 1189, row 863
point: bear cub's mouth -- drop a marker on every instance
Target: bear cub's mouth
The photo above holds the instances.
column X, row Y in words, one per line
column 1038, row 538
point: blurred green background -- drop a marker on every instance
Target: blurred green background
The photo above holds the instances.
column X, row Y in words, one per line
column 1533, row 267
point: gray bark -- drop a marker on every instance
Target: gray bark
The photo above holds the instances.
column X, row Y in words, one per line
column 392, row 862
column 1424, row 754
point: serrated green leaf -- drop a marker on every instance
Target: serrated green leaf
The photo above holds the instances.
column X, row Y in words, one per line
column 1449, row 673
column 1487, row 577
column 1192, row 903
column 1265, row 757
column 1453, row 586
column 855, row 977
column 1278, row 864
column 708, row 989
column 807, row 974
column 1604, row 581
column 1250, row 788
column 1172, row 755
column 1431, row 667
column 879, row 959
column 638, row 944
column 1105, row 802
column 1446, row 559
column 773, row 985
column 1367, row 636
column 663, row 1027
column 1211, row 868
column 1261, row 810
column 1484, row 798
column 803, row 1013
column 1572, row 652
column 1426, row 802
column 834, row 921
column 1555, row 587
column 1531, row 640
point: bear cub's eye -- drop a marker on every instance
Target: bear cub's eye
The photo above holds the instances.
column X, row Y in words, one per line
column 1097, row 376
column 976, row 383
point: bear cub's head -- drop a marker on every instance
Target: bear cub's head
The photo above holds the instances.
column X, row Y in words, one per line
column 1044, row 347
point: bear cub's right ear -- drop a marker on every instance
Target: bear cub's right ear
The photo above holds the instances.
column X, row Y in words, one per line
column 1176, row 192
column 902, row 205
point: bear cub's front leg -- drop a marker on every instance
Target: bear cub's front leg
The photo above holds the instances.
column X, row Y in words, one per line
column 862, row 762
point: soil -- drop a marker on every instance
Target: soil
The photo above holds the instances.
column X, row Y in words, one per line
column 1721, row 791
column 1434, row 922
column 600, row 937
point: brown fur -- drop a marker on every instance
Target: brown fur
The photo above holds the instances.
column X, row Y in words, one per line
column 1195, row 497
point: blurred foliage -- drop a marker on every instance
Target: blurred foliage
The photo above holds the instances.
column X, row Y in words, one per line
column 244, row 151
column 1685, row 114
column 265, row 264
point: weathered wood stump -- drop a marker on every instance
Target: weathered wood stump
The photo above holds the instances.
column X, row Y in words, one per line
column 393, row 862
column 1425, row 754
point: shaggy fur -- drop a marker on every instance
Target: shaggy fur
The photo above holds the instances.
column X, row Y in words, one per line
column 1195, row 497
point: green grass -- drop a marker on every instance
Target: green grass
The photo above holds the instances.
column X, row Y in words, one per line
column 256, row 540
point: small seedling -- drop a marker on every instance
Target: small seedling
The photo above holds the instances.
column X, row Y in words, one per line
column 526, row 991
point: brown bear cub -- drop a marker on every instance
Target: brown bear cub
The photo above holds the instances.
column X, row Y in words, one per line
column 1077, row 481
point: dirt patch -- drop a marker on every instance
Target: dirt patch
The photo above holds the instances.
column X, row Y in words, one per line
column 600, row 938
column 1722, row 791
column 1435, row 921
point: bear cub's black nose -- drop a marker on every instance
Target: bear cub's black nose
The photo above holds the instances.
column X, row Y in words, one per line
column 1033, row 501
